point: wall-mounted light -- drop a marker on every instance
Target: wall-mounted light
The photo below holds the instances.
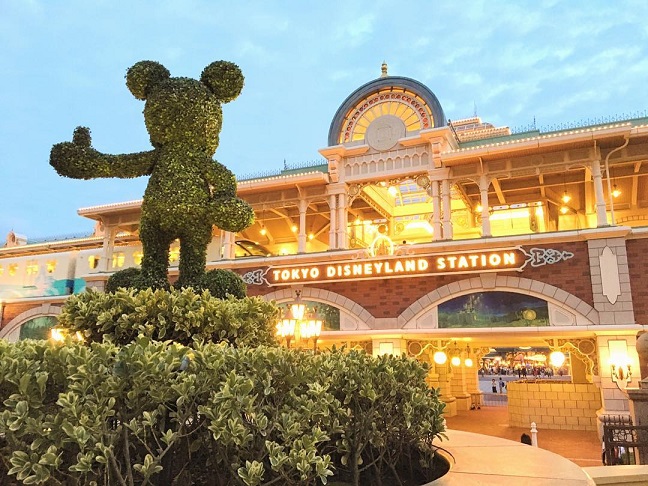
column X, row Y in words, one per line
column 557, row 358
column 616, row 192
column 455, row 360
column 293, row 228
column 440, row 357
column 619, row 361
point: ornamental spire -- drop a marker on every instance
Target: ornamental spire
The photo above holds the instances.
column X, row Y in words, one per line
column 383, row 70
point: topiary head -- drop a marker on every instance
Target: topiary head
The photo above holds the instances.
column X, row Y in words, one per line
column 184, row 110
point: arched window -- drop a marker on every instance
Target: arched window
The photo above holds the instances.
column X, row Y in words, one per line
column 37, row 328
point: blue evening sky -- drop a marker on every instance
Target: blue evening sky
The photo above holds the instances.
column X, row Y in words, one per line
column 63, row 65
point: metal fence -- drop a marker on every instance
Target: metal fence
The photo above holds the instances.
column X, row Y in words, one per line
column 490, row 399
column 623, row 442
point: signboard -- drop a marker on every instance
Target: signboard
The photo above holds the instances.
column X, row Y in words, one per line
column 505, row 259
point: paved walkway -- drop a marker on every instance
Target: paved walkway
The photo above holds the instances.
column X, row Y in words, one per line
column 580, row 447
column 482, row 460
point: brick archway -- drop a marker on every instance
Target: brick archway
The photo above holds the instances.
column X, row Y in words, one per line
column 503, row 283
column 347, row 306
column 41, row 311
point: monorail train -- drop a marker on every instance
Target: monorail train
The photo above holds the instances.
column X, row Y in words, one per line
column 60, row 268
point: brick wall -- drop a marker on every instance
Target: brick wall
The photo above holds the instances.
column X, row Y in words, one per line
column 10, row 311
column 637, row 251
column 385, row 298
column 555, row 405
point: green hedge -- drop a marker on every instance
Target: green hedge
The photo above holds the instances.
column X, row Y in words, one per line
column 182, row 316
column 155, row 413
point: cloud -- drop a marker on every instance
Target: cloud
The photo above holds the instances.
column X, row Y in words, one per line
column 356, row 31
column 258, row 53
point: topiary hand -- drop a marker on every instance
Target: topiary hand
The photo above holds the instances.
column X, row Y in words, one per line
column 74, row 159
column 82, row 137
column 232, row 214
column 78, row 160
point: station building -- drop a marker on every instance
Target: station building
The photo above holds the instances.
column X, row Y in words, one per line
column 423, row 236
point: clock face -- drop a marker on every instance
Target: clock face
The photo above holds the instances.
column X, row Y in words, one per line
column 383, row 133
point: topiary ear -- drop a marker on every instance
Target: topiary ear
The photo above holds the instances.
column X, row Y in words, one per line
column 143, row 76
column 224, row 79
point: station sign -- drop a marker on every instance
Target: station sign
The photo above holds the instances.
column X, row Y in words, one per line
column 505, row 259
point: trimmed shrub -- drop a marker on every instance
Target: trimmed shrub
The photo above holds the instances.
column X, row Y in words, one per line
column 223, row 283
column 126, row 279
column 183, row 316
column 162, row 413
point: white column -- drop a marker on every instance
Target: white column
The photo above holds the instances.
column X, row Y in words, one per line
column 332, row 221
column 343, row 216
column 447, row 209
column 228, row 245
column 436, row 211
column 601, row 215
column 301, row 238
column 485, row 215
column 108, row 247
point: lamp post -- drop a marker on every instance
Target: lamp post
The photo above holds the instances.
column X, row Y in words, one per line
column 296, row 325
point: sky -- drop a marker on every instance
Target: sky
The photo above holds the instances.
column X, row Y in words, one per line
column 513, row 63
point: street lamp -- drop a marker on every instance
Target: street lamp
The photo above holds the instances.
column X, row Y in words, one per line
column 297, row 325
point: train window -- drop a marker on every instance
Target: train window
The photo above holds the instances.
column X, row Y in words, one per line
column 13, row 268
column 51, row 266
column 32, row 267
column 118, row 259
column 93, row 261
column 137, row 257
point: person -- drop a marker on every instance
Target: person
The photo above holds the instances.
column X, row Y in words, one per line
column 502, row 385
column 526, row 439
column 494, row 385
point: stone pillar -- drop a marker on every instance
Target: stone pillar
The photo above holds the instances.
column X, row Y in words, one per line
column 436, row 211
column 601, row 215
column 447, row 209
column 614, row 399
column 639, row 397
column 332, row 219
column 343, row 216
column 301, row 238
column 485, row 214
column 611, row 281
column 108, row 248
column 228, row 245
column 445, row 389
column 459, row 384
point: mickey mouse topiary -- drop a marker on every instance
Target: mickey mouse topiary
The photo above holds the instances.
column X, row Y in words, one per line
column 188, row 191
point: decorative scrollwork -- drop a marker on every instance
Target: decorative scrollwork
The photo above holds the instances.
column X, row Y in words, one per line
column 256, row 277
column 423, row 181
column 537, row 257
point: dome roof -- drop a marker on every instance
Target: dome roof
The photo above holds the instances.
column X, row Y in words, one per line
column 412, row 95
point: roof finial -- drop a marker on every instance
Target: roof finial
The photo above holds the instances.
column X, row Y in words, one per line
column 383, row 70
